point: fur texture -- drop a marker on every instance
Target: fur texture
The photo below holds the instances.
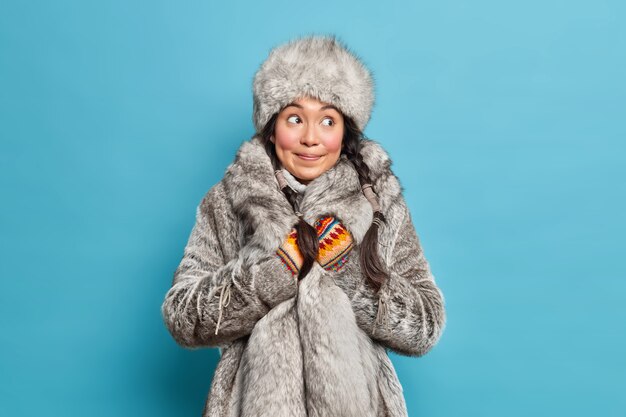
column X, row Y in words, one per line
column 314, row 348
column 315, row 66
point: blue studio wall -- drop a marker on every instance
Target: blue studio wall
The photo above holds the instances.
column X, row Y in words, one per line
column 506, row 125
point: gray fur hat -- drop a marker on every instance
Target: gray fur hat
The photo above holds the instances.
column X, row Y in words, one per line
column 316, row 66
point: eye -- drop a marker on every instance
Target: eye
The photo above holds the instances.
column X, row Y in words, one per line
column 328, row 121
column 293, row 119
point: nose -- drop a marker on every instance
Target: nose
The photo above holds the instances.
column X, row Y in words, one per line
column 309, row 137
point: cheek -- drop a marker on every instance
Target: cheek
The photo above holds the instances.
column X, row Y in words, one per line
column 286, row 139
column 332, row 142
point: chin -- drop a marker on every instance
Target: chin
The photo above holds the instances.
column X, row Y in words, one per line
column 306, row 177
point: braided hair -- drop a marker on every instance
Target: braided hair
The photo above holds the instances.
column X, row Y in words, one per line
column 307, row 242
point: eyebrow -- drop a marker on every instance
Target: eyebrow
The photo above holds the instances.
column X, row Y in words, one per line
column 328, row 106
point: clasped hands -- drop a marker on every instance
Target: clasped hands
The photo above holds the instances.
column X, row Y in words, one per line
column 335, row 243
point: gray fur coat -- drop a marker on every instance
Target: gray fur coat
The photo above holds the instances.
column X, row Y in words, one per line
column 314, row 348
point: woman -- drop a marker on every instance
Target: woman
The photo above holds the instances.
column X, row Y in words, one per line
column 303, row 265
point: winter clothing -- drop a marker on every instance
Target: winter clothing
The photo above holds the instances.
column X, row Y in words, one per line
column 335, row 243
column 316, row 66
column 293, row 181
column 289, row 253
column 315, row 347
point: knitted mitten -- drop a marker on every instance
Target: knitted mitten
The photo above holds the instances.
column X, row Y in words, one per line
column 335, row 243
column 289, row 253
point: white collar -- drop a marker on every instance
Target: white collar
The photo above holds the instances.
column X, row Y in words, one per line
column 293, row 181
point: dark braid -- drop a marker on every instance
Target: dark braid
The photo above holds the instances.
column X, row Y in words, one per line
column 307, row 242
column 371, row 264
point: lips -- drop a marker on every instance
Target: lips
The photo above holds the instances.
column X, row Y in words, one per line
column 308, row 157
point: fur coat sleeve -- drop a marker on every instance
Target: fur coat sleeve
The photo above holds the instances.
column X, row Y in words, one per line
column 407, row 314
column 209, row 279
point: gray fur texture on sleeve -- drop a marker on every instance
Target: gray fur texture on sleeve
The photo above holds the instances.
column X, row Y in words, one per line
column 208, row 288
column 408, row 314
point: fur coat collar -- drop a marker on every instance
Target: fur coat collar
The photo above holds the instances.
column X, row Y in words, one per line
column 268, row 216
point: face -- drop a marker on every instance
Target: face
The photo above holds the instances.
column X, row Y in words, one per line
column 308, row 138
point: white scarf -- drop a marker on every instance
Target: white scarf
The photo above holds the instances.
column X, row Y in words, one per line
column 293, row 181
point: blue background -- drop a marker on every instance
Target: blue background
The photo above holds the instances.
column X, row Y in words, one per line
column 506, row 125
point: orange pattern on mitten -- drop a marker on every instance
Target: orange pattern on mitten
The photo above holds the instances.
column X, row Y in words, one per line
column 289, row 253
column 335, row 243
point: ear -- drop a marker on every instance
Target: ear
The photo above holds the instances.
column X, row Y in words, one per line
column 272, row 138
